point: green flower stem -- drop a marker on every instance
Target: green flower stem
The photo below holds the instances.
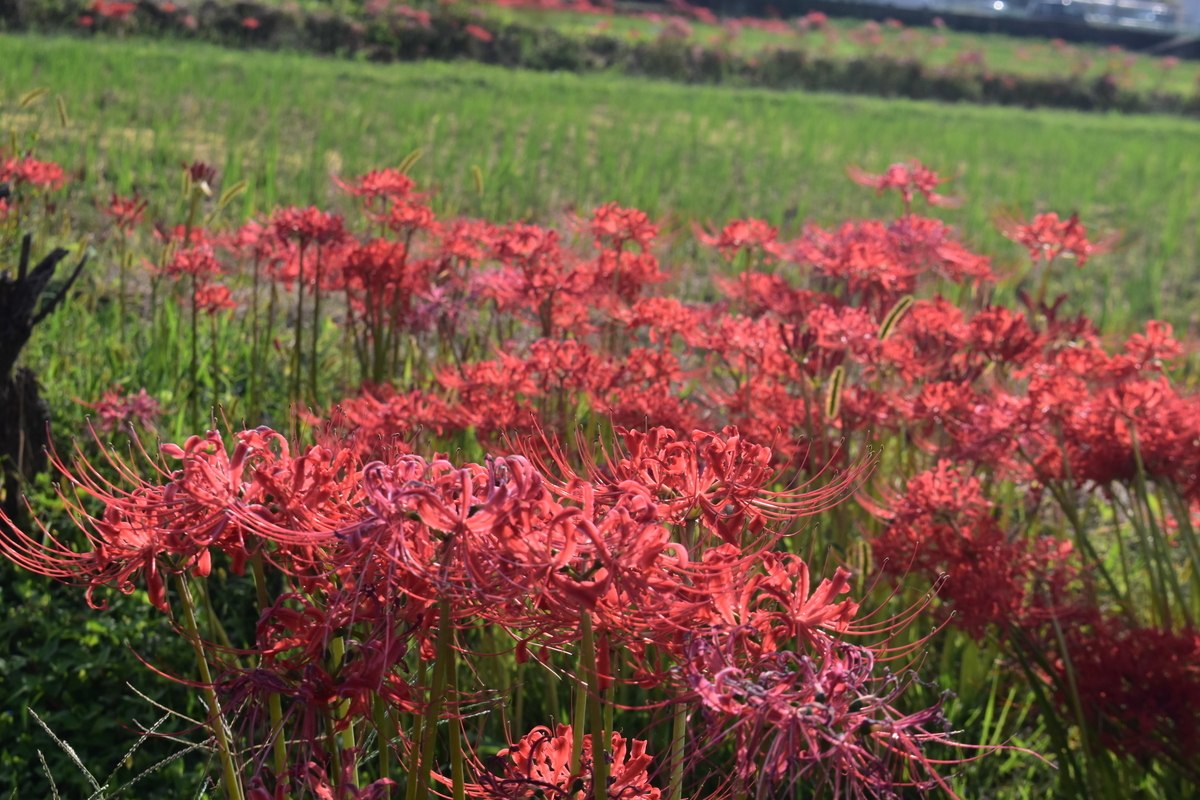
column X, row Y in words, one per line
column 337, row 654
column 124, row 271
column 1161, row 548
column 299, row 335
column 434, row 710
column 518, row 714
column 610, row 699
column 194, row 397
column 599, row 745
column 678, row 737
column 552, row 704
column 275, row 707
column 194, row 387
column 416, row 739
column 580, row 718
column 233, row 786
column 316, row 333
column 457, row 772
column 383, row 737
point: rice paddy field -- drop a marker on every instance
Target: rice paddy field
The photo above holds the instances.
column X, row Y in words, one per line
column 1070, row 514
column 548, row 142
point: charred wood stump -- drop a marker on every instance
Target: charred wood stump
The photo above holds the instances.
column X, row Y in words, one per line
column 25, row 300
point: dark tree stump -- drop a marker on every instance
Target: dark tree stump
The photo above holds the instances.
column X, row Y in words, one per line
column 24, row 415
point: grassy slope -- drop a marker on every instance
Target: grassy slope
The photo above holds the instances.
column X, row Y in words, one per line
column 1001, row 53
column 1006, row 54
column 546, row 141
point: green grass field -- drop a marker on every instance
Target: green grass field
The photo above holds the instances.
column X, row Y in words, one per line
column 546, row 142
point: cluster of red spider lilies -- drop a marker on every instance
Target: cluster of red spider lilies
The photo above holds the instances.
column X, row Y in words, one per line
column 654, row 468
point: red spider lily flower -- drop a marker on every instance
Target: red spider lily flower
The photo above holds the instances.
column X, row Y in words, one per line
column 944, row 492
column 120, row 550
column 497, row 529
column 114, row 10
column 721, row 475
column 380, row 267
column 844, row 328
column 250, row 23
column 941, row 525
column 621, row 225
column 665, row 317
column 125, row 212
column 491, row 395
column 928, row 342
column 1122, row 675
column 479, row 33
column 169, row 8
column 196, row 236
column 818, row 716
column 308, row 226
column 539, row 278
column 540, row 764
column 467, row 240
column 910, row 178
column 567, row 364
column 199, row 262
column 256, row 240
column 1049, row 237
column 624, row 274
column 123, row 546
column 406, row 216
column 87, row 21
column 382, row 281
column 643, row 391
column 884, row 262
column 741, row 234
column 216, row 499
column 213, row 297
column 1003, row 337
column 762, row 293
column 381, row 421
column 29, row 171
column 1151, row 349
column 929, row 245
column 778, row 603
column 389, row 183
column 119, row 411
column 507, row 538
column 862, row 254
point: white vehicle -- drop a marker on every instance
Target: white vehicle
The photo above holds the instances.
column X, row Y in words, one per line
column 1124, row 13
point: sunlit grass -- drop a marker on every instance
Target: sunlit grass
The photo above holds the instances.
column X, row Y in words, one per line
column 546, row 142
